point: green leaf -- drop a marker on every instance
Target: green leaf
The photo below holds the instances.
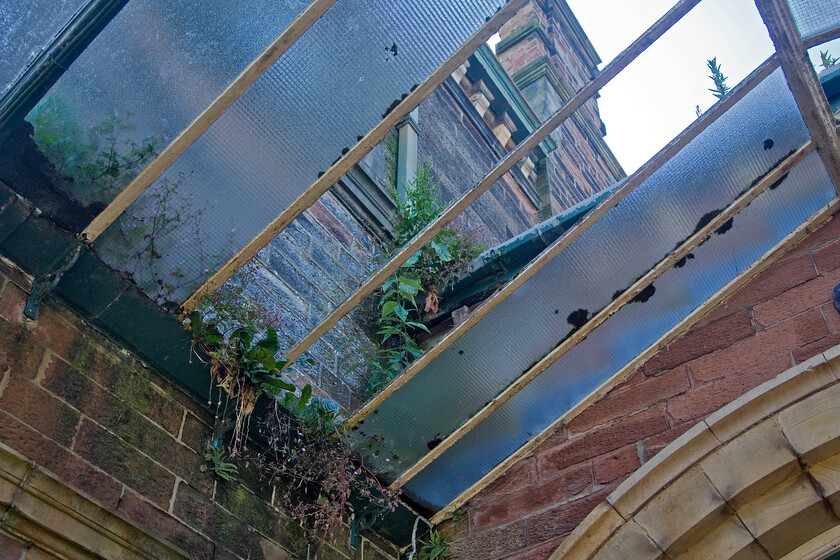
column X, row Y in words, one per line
column 213, row 337
column 280, row 384
column 270, row 341
column 196, row 323
column 389, row 308
column 401, row 312
column 305, row 395
column 417, row 325
column 243, row 337
column 442, row 250
column 411, row 282
column 387, row 333
column 412, row 260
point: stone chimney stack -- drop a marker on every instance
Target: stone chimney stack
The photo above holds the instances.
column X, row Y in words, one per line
column 547, row 54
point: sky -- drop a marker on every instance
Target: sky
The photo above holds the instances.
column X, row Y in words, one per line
column 655, row 98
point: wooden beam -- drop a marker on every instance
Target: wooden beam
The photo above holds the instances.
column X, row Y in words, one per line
column 636, row 179
column 803, row 82
column 614, row 306
column 354, row 156
column 816, row 221
column 822, row 37
column 184, row 140
column 503, row 166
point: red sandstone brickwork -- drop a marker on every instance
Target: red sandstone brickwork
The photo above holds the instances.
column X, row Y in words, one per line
column 80, row 407
column 576, row 170
column 782, row 317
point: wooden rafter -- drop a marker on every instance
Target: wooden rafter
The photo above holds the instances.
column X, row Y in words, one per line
column 645, row 171
column 816, row 221
column 581, row 334
column 503, row 166
column 803, row 83
column 354, row 156
column 822, row 37
column 184, row 140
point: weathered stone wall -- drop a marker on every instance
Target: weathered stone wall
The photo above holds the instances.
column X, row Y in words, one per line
column 88, row 412
column 781, row 318
column 327, row 252
column 539, row 50
column 305, row 273
column 458, row 157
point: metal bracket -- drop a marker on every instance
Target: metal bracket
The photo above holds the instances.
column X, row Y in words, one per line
column 45, row 283
column 364, row 519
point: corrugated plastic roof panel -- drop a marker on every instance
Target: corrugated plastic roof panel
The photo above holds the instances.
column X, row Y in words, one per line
column 720, row 163
column 28, row 26
column 621, row 338
column 814, row 16
column 159, row 63
column 327, row 91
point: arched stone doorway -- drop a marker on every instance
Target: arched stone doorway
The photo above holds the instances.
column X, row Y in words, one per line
column 759, row 479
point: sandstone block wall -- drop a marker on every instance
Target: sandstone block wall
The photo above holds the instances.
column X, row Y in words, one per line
column 91, row 414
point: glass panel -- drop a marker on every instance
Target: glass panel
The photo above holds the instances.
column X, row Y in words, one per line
column 28, row 26
column 332, row 87
column 716, row 166
column 150, row 72
column 679, row 291
column 814, row 16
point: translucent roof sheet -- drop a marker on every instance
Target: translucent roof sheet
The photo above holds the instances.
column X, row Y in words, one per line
column 327, row 91
column 28, row 26
column 710, row 173
column 814, row 16
column 159, row 63
column 755, row 230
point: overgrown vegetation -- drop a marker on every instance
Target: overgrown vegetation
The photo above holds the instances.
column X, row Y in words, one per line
column 411, row 294
column 325, row 476
column 99, row 160
column 158, row 225
column 435, row 548
column 304, row 450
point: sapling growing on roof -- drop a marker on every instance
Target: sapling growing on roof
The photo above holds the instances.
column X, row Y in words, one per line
column 720, row 89
column 826, row 60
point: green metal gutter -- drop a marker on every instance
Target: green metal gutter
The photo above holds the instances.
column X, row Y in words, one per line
column 495, row 267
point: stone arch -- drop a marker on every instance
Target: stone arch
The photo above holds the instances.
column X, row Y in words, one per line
column 758, row 479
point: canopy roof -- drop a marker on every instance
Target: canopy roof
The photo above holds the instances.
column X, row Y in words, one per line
column 264, row 106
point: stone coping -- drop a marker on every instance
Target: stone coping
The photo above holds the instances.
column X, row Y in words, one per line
column 38, row 508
